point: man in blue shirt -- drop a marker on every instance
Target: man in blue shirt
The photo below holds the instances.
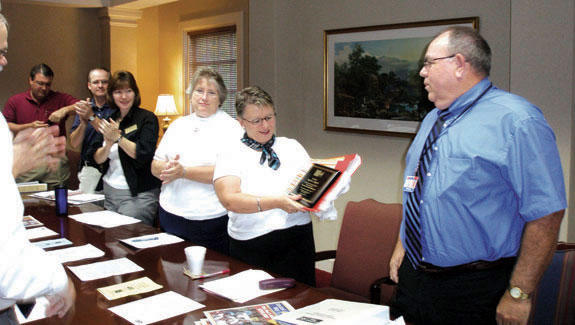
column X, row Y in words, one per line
column 483, row 197
column 89, row 112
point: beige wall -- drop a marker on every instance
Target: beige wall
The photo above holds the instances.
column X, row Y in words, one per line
column 149, row 57
column 124, row 49
column 66, row 39
column 542, row 71
column 286, row 53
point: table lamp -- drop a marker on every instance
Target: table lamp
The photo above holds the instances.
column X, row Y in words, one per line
column 166, row 106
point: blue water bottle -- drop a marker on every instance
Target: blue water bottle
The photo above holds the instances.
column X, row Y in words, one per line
column 61, row 196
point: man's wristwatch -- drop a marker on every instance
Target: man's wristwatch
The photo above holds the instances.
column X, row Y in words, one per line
column 517, row 293
column 92, row 118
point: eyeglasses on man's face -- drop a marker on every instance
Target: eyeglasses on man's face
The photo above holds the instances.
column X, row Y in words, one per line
column 43, row 84
column 427, row 63
column 99, row 82
column 4, row 52
column 260, row 120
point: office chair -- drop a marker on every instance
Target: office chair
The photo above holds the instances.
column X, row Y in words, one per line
column 367, row 238
column 554, row 299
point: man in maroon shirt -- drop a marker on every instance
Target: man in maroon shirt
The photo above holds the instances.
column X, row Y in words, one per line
column 38, row 108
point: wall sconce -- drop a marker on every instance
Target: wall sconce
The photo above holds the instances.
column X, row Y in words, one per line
column 166, row 106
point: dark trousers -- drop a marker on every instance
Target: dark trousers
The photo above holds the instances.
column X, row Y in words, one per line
column 211, row 233
column 288, row 252
column 8, row 316
column 469, row 297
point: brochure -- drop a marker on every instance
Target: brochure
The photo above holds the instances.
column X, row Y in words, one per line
column 254, row 314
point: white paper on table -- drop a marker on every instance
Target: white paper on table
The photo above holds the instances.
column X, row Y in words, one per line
column 240, row 287
column 105, row 218
column 47, row 195
column 339, row 312
column 40, row 232
column 156, row 308
column 82, row 198
column 38, row 312
column 74, row 196
column 152, row 240
column 50, row 243
column 104, row 269
column 76, row 253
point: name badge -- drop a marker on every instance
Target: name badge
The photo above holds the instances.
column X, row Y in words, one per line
column 410, row 183
column 131, row 129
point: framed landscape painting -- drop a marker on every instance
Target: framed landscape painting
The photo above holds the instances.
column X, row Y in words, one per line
column 371, row 76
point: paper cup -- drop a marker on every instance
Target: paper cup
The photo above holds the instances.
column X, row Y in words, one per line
column 195, row 257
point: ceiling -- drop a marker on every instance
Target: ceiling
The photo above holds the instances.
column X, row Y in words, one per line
column 126, row 4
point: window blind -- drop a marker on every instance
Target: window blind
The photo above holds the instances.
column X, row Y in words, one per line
column 216, row 49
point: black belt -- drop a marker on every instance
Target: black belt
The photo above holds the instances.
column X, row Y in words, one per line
column 473, row 266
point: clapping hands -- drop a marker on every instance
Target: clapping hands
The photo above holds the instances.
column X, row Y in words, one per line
column 173, row 170
column 110, row 129
column 37, row 147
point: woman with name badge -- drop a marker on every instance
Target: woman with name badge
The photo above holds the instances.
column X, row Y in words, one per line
column 184, row 162
column 124, row 149
column 268, row 228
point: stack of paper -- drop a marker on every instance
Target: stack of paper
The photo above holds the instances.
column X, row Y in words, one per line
column 106, row 219
column 32, row 187
column 156, row 308
column 76, row 253
column 339, row 312
column 105, row 269
column 152, row 240
column 240, row 287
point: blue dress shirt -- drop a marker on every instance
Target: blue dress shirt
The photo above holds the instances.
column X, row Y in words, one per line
column 496, row 167
column 103, row 113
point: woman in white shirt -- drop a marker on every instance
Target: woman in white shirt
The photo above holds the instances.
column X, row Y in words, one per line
column 267, row 227
column 184, row 162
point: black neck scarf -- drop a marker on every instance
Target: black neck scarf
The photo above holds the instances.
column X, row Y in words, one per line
column 266, row 149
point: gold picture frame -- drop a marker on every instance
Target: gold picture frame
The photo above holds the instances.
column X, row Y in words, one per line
column 371, row 76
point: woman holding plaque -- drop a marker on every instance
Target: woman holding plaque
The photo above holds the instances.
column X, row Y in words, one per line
column 267, row 227
column 124, row 148
column 184, row 162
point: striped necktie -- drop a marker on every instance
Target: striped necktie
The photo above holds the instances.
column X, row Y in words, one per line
column 412, row 221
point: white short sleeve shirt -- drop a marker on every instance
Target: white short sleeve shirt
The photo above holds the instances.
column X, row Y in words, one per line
column 261, row 180
column 197, row 140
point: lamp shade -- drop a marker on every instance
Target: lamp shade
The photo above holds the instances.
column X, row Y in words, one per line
column 166, row 105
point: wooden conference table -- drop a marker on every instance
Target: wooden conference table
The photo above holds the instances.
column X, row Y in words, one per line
column 163, row 265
